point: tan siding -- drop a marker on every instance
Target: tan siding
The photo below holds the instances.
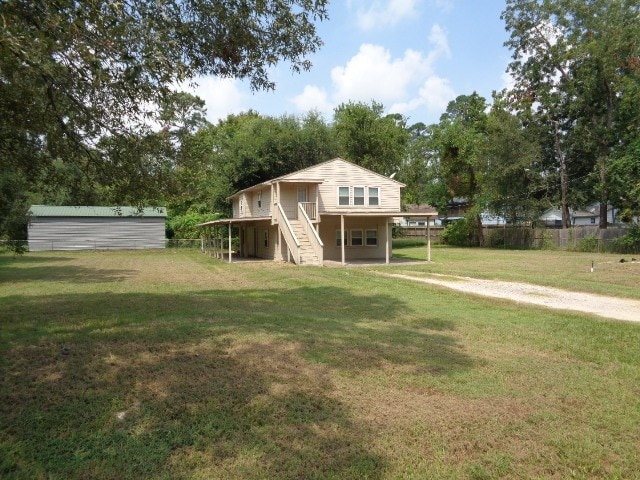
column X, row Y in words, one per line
column 330, row 225
column 289, row 200
column 264, row 210
column 269, row 251
column 340, row 173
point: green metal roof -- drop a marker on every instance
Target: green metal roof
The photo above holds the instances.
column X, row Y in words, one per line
column 71, row 211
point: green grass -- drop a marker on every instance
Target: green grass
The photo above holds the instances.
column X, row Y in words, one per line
column 173, row 365
column 568, row 270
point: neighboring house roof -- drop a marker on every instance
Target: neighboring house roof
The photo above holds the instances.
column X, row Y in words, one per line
column 313, row 176
column 78, row 211
column 554, row 214
column 581, row 213
column 419, row 208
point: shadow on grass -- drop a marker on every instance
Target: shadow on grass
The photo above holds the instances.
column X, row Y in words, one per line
column 220, row 384
column 27, row 270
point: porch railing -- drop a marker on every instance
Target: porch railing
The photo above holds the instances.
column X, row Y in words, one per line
column 310, row 208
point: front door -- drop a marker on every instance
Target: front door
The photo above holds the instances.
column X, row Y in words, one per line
column 302, row 194
column 251, row 241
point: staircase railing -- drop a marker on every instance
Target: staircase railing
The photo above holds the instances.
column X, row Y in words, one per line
column 287, row 232
column 311, row 232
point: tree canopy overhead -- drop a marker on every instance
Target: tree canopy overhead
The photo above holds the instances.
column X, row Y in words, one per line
column 578, row 63
column 73, row 72
column 92, row 64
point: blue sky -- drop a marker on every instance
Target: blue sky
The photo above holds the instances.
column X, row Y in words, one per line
column 413, row 56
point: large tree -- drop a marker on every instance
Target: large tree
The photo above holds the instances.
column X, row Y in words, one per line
column 461, row 139
column 244, row 150
column 578, row 63
column 370, row 138
column 73, row 71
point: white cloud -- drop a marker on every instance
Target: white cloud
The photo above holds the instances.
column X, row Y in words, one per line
column 223, row 96
column 313, row 98
column 436, row 93
column 373, row 74
column 438, row 38
column 404, row 83
column 386, row 13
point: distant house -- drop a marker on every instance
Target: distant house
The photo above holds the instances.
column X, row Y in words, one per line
column 612, row 213
column 335, row 210
column 95, row 228
column 417, row 215
column 552, row 217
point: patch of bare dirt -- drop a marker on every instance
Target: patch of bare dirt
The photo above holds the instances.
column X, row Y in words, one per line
column 607, row 307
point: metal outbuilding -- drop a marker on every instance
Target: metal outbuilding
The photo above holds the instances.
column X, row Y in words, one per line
column 95, row 228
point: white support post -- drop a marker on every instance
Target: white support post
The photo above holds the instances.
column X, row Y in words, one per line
column 342, row 239
column 386, row 243
column 428, row 241
column 229, row 242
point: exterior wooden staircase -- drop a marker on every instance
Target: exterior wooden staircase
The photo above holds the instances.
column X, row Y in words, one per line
column 307, row 254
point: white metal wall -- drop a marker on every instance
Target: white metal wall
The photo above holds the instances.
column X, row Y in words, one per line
column 97, row 233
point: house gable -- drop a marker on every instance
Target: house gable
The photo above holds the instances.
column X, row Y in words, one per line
column 358, row 183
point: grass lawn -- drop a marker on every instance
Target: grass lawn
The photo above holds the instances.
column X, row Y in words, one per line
column 172, row 365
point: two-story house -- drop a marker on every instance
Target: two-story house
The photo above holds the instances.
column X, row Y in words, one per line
column 334, row 210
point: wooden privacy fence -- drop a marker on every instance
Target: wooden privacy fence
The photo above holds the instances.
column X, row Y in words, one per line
column 527, row 237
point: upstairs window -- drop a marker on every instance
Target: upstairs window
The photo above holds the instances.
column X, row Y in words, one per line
column 343, row 195
column 358, row 195
column 374, row 198
column 259, row 199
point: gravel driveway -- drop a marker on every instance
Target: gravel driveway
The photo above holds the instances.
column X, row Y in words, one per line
column 608, row 307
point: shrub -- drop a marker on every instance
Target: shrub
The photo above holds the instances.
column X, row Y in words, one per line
column 589, row 243
column 460, row 233
column 547, row 241
column 628, row 243
column 186, row 226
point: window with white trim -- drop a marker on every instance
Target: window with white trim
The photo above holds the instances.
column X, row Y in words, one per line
column 260, row 199
column 374, row 196
column 340, row 237
column 266, row 239
column 371, row 238
column 358, row 196
column 343, row 195
column 356, row 238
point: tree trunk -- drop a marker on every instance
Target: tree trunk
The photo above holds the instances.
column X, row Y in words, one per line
column 604, row 194
column 564, row 181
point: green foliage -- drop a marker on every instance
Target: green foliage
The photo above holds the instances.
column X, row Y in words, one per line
column 74, row 73
column 589, row 243
column 186, row 226
column 625, row 180
column 244, row 150
column 460, row 233
column 369, row 138
column 628, row 243
column 547, row 241
column 576, row 63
